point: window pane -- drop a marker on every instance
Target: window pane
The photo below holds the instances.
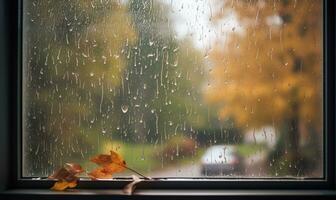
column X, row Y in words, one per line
column 178, row 88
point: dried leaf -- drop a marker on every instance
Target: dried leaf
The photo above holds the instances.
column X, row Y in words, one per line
column 105, row 159
column 129, row 188
column 100, row 173
column 102, row 159
column 74, row 168
column 66, row 176
column 62, row 185
column 110, row 164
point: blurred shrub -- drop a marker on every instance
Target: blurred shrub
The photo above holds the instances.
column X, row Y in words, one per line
column 176, row 148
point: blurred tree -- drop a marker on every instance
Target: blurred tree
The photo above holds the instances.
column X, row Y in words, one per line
column 269, row 71
column 72, row 67
column 99, row 70
column 162, row 80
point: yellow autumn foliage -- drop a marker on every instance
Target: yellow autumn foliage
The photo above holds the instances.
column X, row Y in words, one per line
column 273, row 63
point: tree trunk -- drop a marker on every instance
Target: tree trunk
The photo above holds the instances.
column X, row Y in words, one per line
column 285, row 158
column 292, row 139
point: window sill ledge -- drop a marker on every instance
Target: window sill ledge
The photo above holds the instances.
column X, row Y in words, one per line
column 165, row 194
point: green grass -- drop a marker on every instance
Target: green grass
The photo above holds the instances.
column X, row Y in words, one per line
column 141, row 157
column 250, row 149
column 132, row 154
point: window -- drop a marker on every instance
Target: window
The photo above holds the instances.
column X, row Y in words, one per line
column 181, row 89
column 198, row 93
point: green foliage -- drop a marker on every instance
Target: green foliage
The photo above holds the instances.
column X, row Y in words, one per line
column 69, row 70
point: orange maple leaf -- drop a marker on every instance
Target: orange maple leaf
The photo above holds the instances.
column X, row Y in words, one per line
column 109, row 164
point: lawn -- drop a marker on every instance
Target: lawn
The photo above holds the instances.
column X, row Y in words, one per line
column 141, row 157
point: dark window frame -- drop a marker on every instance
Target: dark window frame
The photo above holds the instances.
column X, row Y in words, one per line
column 12, row 185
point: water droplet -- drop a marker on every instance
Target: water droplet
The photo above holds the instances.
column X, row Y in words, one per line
column 124, row 108
column 104, row 59
column 91, row 74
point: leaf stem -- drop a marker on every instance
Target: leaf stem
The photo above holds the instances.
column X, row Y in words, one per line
column 145, row 177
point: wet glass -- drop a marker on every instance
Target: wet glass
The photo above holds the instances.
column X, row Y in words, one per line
column 206, row 88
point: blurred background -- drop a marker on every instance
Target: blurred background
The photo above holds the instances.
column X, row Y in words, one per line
column 186, row 88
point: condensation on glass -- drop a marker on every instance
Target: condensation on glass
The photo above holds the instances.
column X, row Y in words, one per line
column 178, row 88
